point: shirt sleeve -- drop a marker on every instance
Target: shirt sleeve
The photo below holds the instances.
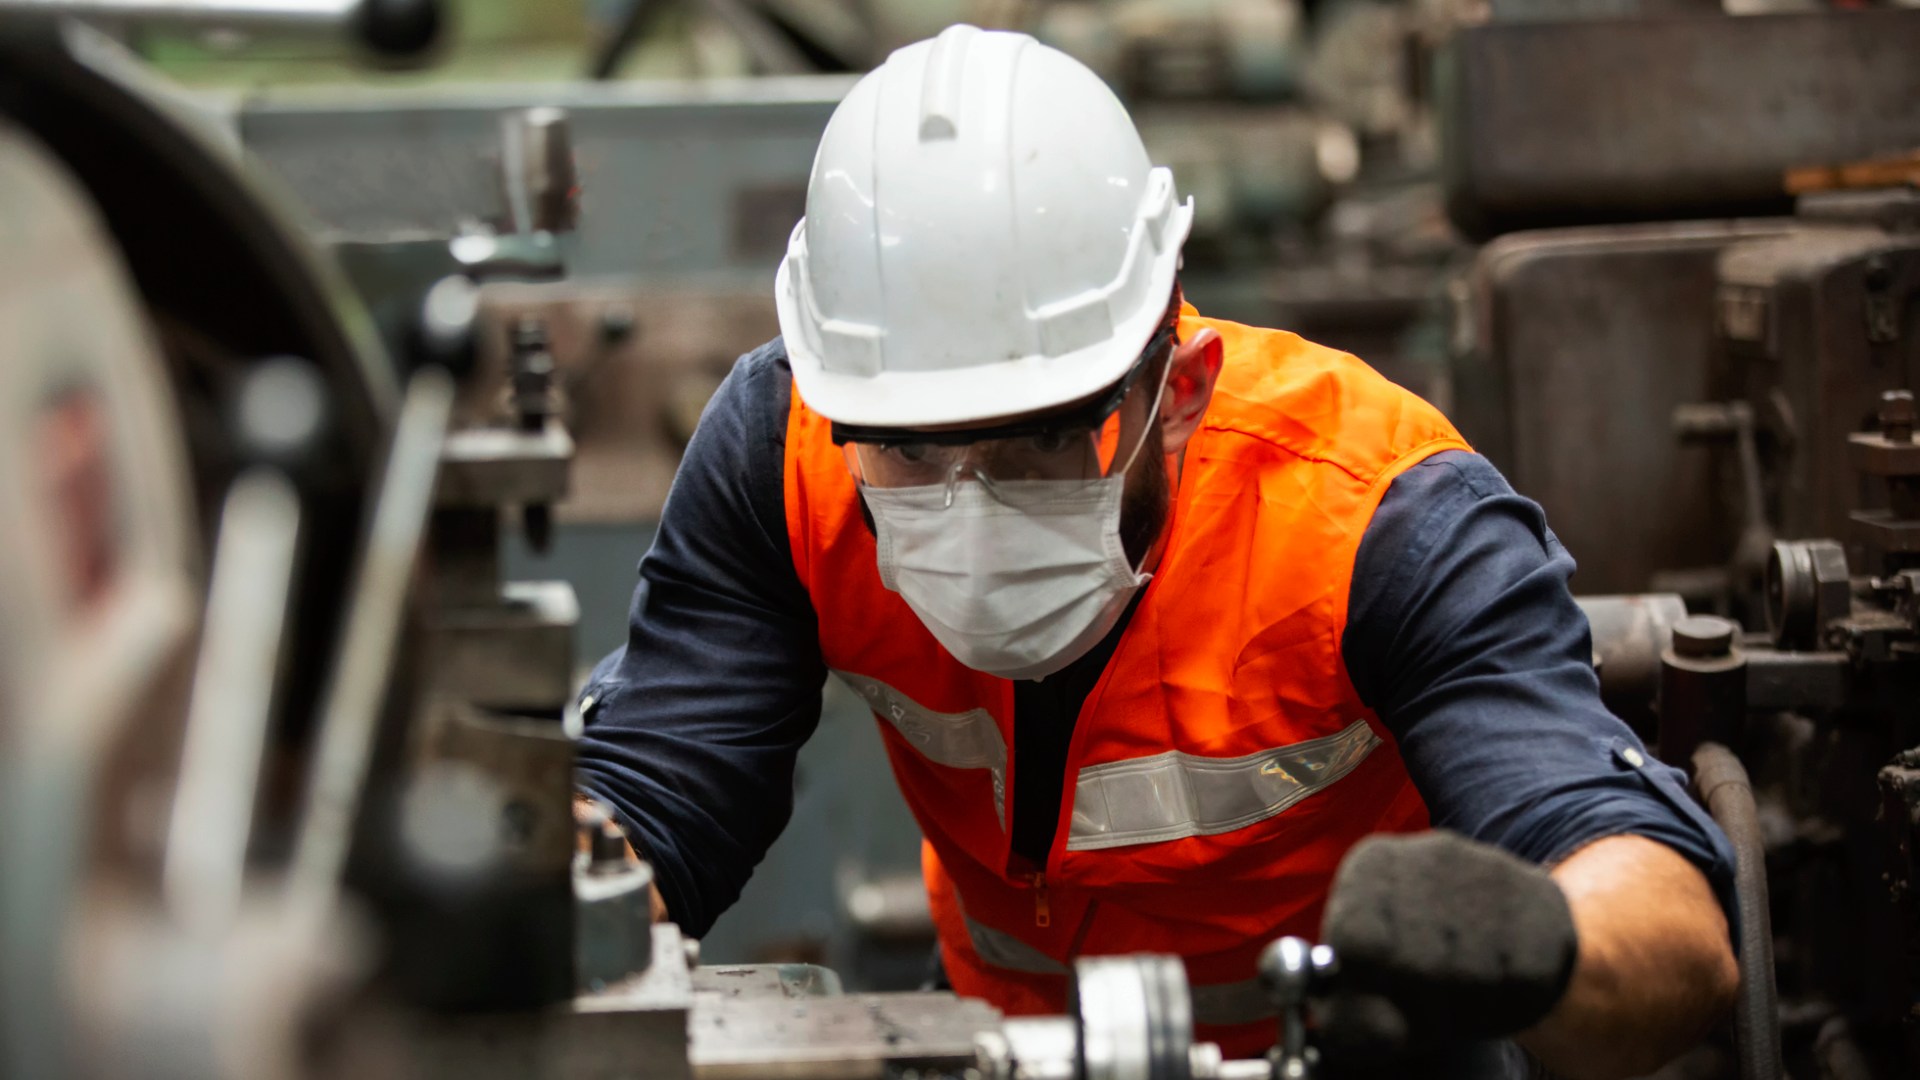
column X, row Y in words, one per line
column 693, row 726
column 1464, row 638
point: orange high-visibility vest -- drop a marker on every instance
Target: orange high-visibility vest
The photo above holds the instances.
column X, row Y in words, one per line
column 1222, row 765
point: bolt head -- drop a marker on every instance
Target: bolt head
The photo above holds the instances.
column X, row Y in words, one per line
column 1897, row 414
column 1703, row 637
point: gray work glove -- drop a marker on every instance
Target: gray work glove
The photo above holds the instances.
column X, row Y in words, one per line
column 1440, row 940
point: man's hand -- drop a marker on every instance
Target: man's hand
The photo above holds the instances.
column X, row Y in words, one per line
column 590, row 814
column 1441, row 940
column 1605, row 968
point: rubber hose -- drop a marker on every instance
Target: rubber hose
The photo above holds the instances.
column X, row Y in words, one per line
column 1728, row 795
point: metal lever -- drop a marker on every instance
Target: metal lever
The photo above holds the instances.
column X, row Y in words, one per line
column 391, row 27
column 1292, row 970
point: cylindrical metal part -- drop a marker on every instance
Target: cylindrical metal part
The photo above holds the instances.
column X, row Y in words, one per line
column 1629, row 633
column 1897, row 415
column 1136, row 1017
column 613, row 920
column 1030, row 1048
column 1807, row 585
column 1703, row 686
column 1723, row 786
column 391, row 27
column 537, row 170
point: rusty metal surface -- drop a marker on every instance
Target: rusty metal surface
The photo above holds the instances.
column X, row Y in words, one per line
column 1814, row 341
column 1585, row 342
column 1665, row 117
column 637, row 364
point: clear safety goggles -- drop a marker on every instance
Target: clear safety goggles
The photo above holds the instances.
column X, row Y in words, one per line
column 1082, row 445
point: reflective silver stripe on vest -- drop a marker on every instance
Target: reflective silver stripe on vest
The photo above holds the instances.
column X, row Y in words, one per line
column 1226, row 1004
column 968, row 740
column 1174, row 795
column 1003, row 950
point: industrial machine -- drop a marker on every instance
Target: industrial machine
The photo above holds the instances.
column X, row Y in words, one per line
column 286, row 765
column 1692, row 338
column 286, row 752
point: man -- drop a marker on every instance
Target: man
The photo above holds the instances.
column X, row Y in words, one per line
column 1159, row 615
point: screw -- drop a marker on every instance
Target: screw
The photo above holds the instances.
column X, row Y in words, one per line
column 1703, row 637
column 1878, row 275
column 533, row 373
column 1897, row 415
column 600, row 834
column 616, row 324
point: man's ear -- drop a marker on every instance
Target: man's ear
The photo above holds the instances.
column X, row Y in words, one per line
column 1193, row 370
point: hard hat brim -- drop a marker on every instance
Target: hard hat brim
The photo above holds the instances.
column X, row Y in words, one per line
column 975, row 394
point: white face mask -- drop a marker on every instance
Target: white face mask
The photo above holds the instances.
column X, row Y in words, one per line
column 1018, row 593
column 1017, row 585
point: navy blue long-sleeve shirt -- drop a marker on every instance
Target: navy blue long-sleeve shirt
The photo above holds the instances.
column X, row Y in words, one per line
column 1462, row 636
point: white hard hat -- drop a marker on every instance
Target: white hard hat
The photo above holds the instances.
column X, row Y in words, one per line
column 984, row 236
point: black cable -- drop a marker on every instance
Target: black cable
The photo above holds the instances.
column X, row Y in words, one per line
column 1728, row 795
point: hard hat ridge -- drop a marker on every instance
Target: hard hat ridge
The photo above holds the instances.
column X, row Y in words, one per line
column 941, row 83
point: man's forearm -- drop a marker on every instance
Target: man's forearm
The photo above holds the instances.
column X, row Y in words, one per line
column 1655, row 967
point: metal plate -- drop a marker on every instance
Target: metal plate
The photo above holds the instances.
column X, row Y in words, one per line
column 765, row 981
column 1618, row 119
column 847, row 1038
column 676, row 179
column 1586, row 340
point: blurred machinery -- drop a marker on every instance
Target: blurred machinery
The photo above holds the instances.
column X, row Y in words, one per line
column 285, row 764
column 1694, row 341
column 286, row 742
column 1301, row 138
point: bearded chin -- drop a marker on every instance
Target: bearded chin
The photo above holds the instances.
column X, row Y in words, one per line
column 1144, row 507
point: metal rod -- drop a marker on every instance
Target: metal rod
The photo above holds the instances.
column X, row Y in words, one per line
column 232, row 700
column 394, row 28
column 355, row 696
column 291, row 14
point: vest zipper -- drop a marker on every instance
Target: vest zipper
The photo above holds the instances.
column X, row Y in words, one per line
column 1042, row 914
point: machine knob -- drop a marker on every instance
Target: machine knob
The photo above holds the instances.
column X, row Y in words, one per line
column 397, row 28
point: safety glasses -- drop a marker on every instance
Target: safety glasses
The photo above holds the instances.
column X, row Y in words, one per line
column 1020, row 461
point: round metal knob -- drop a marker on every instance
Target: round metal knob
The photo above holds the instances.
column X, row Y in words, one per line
column 1703, row 637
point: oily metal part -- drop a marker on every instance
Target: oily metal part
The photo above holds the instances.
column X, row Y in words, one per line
column 1542, row 126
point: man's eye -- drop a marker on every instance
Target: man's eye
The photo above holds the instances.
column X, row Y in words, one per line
column 1052, row 442
column 912, row 453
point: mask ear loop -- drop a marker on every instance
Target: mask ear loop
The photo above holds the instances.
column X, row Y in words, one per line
column 1153, row 412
